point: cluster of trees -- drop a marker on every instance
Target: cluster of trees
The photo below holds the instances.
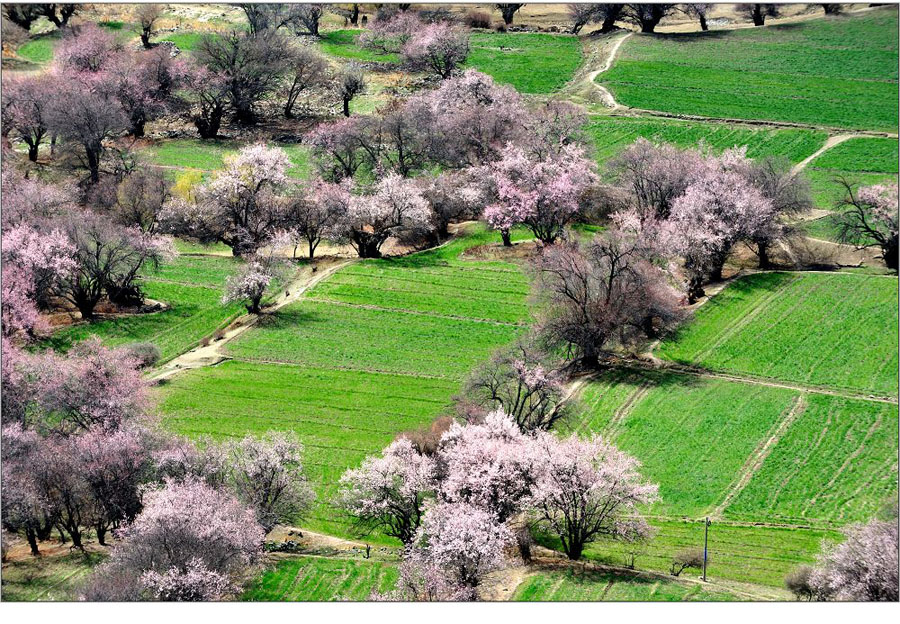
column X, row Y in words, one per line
column 81, row 454
column 864, row 567
column 95, row 90
column 56, row 253
column 461, row 500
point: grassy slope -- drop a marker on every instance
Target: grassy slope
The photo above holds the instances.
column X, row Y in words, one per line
column 314, row 365
column 318, row 579
column 838, row 72
column 210, row 155
column 592, row 586
column 342, row 43
column 531, row 62
column 834, row 330
column 191, row 286
column 51, row 578
column 611, row 136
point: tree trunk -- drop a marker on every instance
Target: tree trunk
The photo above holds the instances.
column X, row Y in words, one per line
column 243, row 115
column 648, row 328
column 253, row 308
column 573, row 552
column 93, row 158
column 703, row 25
column 763, row 252
column 507, row 240
column 75, row 534
column 695, row 290
column 759, row 19
column 354, row 14
column 33, row 152
column 889, row 253
column 87, row 309
column 101, row 535
column 145, row 39
column 648, row 26
column 346, row 107
column 31, row 536
column 312, row 249
column 208, row 125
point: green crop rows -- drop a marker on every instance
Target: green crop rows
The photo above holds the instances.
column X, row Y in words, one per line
column 835, row 330
column 319, row 579
column 348, row 376
column 611, row 135
column 833, row 72
column 595, row 585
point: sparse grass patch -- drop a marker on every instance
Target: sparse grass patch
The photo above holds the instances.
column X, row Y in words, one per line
column 50, row 578
column 342, row 44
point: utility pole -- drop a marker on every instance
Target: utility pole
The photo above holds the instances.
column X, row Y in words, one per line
column 705, row 544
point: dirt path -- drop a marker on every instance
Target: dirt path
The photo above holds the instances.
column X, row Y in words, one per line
column 212, row 354
column 831, row 142
column 759, row 455
column 606, row 96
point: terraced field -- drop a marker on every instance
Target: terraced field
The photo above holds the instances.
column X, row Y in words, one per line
column 593, row 586
column 348, row 373
column 531, row 62
column 612, row 135
column 835, row 330
column 317, row 579
column 839, row 72
column 191, row 286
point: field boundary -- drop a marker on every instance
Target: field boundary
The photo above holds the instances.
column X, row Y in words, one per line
column 760, row 453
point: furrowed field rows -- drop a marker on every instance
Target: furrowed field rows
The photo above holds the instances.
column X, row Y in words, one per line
column 341, row 416
column 612, row 135
column 813, row 72
column 750, row 554
column 595, row 585
column 314, row 333
column 320, row 579
column 834, row 330
column 833, row 461
column 837, row 461
column 691, row 435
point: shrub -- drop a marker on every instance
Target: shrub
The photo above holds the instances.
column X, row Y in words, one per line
column 687, row 558
column 477, row 19
column 798, row 583
column 146, row 354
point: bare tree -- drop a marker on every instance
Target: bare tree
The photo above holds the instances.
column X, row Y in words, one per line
column 832, row 8
column 759, row 12
column 522, row 382
column 307, row 69
column 868, row 218
column 647, row 16
column 350, row 83
column 250, row 64
column 798, row 583
column 508, row 11
column 699, row 11
column 584, row 14
column 147, row 14
column 687, row 558
column 307, row 16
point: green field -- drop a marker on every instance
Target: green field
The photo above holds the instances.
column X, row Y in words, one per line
column 612, row 135
column 349, row 376
column 839, row 72
column 192, row 287
column 531, row 62
column 835, row 330
column 609, row 586
column 209, row 155
column 318, row 579
column 40, row 48
column 342, row 44
column 837, row 461
column 186, row 41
